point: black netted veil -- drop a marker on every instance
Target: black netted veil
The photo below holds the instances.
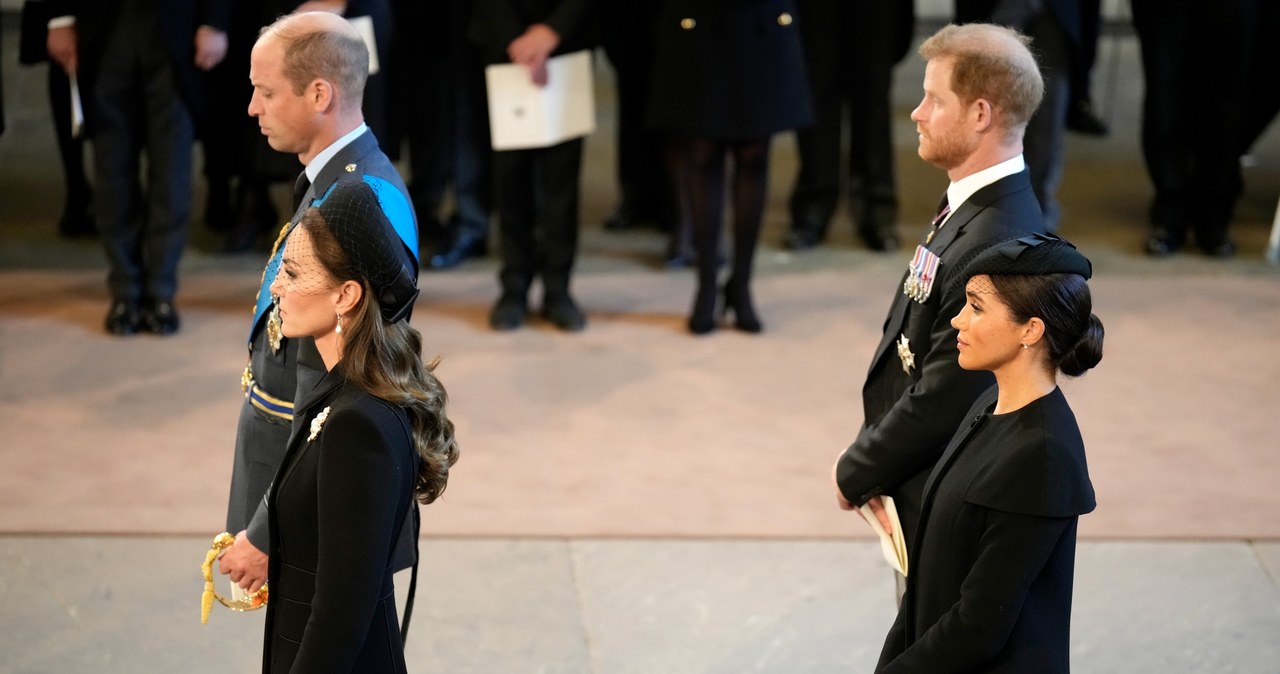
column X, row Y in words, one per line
column 355, row 218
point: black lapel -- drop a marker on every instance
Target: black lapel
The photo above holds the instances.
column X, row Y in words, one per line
column 314, row 400
column 351, row 155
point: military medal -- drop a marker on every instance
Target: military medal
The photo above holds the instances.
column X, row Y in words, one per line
column 904, row 352
column 921, row 273
column 274, row 334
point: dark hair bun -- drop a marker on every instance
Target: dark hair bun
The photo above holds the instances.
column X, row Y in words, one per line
column 1086, row 352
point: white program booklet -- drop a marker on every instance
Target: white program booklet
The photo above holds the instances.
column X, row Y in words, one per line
column 892, row 545
column 77, row 109
column 523, row 115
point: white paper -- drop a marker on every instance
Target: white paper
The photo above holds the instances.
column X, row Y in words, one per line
column 237, row 593
column 364, row 26
column 892, row 546
column 523, row 115
column 77, row 110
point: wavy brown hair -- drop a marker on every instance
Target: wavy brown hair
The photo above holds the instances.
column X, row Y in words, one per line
column 385, row 359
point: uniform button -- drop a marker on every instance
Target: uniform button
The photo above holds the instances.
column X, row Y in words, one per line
column 784, row 19
column 688, row 24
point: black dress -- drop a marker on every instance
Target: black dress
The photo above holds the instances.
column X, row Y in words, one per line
column 990, row 587
column 728, row 69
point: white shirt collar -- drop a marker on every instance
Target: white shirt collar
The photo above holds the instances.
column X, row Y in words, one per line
column 959, row 191
column 318, row 162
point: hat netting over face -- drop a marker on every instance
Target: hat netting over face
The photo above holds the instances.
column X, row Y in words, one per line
column 352, row 214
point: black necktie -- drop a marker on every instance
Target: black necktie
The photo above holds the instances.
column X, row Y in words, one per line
column 943, row 209
column 300, row 187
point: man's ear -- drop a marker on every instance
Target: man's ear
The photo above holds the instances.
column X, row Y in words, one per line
column 323, row 96
column 984, row 114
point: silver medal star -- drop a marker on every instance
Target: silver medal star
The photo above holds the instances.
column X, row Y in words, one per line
column 904, row 352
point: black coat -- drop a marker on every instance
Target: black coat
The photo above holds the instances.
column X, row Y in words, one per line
column 336, row 508
column 909, row 418
column 728, row 69
column 990, row 587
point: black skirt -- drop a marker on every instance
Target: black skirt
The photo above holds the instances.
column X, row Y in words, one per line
column 728, row 69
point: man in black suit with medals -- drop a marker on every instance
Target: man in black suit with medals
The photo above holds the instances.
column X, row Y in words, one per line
column 981, row 86
column 307, row 102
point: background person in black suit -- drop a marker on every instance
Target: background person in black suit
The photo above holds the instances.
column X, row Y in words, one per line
column 850, row 48
column 727, row 76
column 372, row 436
column 440, row 73
column 314, row 114
column 76, row 219
column 537, row 190
column 1195, row 116
column 981, row 85
column 990, row 588
column 140, row 95
column 643, row 180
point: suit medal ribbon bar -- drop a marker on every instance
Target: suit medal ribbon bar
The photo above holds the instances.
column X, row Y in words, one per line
column 921, row 273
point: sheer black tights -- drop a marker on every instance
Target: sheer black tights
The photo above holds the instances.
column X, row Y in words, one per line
column 705, row 163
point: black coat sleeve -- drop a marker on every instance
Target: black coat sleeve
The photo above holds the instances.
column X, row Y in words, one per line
column 912, row 434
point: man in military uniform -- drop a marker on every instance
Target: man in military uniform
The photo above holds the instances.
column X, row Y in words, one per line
column 312, row 111
column 981, row 86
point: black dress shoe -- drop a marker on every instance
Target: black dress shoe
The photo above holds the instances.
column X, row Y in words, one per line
column 563, row 313
column 802, row 239
column 875, row 225
column 508, row 313
column 879, row 238
column 1221, row 246
column 1082, row 119
column 463, row 246
column 160, row 317
column 1162, row 243
column 621, row 221
column 122, row 318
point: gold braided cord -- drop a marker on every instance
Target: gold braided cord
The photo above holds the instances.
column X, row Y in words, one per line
column 251, row 602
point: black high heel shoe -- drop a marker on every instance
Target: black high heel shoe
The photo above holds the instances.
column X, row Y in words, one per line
column 737, row 297
column 702, row 320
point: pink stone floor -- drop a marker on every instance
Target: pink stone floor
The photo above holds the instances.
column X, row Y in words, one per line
column 634, row 427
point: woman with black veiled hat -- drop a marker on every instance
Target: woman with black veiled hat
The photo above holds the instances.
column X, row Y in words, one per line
column 990, row 587
column 371, row 437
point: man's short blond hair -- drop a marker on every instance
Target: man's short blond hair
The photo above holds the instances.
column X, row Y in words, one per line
column 993, row 63
column 320, row 45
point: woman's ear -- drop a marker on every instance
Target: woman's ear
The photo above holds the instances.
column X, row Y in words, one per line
column 1033, row 331
column 348, row 296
